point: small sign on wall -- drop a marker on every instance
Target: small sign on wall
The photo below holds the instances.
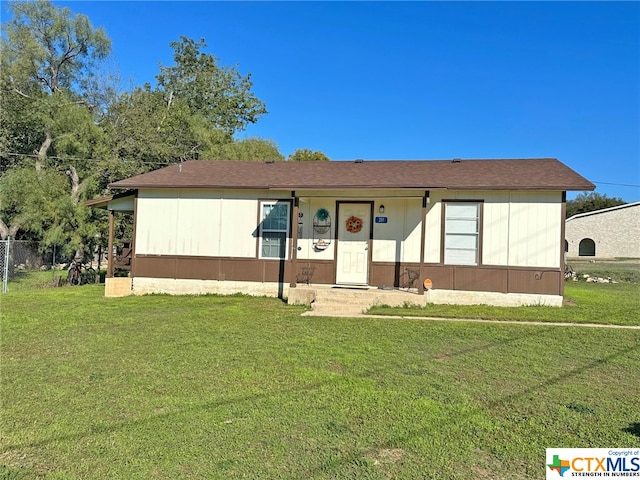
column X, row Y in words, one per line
column 381, row 219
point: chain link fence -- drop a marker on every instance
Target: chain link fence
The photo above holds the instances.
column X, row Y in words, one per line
column 21, row 259
column 26, row 265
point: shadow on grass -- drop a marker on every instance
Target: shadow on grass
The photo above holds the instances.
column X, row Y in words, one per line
column 633, row 429
column 115, row 427
column 498, row 343
column 564, row 377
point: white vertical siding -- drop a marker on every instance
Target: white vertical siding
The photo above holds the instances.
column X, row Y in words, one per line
column 198, row 222
column 238, row 227
column 156, row 217
column 495, row 228
column 309, row 207
column 433, row 228
column 399, row 238
column 519, row 228
column 412, row 230
column 534, row 230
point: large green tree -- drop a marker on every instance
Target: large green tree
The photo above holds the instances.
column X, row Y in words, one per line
column 146, row 132
column 218, row 93
column 64, row 135
column 589, row 202
column 251, row 148
column 48, row 121
column 192, row 113
column 307, row 155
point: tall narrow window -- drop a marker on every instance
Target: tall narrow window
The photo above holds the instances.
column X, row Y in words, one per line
column 274, row 229
column 461, row 233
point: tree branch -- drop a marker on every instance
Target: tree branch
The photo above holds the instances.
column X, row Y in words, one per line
column 8, row 231
column 41, row 154
column 22, row 94
column 76, row 186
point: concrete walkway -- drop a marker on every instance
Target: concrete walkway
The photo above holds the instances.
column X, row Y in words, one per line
column 328, row 301
column 349, row 313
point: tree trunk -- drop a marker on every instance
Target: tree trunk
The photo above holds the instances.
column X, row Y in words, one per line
column 76, row 186
column 41, row 155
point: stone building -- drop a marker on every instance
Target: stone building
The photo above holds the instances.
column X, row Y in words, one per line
column 607, row 233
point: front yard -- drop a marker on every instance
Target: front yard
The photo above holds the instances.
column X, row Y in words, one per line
column 235, row 387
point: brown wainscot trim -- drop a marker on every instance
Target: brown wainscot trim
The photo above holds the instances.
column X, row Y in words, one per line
column 318, row 272
column 396, row 274
column 503, row 279
column 322, row 272
column 213, row 268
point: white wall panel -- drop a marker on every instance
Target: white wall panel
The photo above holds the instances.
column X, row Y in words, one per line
column 399, row 238
column 495, row 228
column 412, row 230
column 519, row 228
column 197, row 224
column 309, row 207
column 156, row 216
column 433, row 228
column 534, row 233
column 238, row 230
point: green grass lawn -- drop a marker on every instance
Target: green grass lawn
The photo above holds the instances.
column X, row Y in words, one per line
column 613, row 304
column 214, row 387
column 621, row 270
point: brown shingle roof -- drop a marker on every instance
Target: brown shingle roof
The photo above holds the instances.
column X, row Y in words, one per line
column 508, row 174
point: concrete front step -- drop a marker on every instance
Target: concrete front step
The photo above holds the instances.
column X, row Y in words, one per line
column 332, row 301
column 334, row 310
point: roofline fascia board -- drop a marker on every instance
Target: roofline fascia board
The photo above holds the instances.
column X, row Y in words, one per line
column 603, row 210
column 102, row 202
column 554, row 188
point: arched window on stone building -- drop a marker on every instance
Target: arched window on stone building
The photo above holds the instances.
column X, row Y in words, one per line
column 587, row 248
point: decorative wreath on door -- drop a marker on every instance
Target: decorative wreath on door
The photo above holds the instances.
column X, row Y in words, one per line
column 354, row 224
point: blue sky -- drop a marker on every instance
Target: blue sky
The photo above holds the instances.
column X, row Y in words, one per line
column 417, row 80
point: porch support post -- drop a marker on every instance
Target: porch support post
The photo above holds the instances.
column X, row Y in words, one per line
column 294, row 240
column 110, row 244
column 423, row 229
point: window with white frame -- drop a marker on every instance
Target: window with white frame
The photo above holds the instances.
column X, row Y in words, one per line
column 274, row 229
column 461, row 233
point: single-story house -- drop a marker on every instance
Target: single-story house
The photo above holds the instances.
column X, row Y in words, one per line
column 454, row 231
column 606, row 233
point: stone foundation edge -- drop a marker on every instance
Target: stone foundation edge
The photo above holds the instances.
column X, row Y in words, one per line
column 497, row 299
column 181, row 286
column 304, row 296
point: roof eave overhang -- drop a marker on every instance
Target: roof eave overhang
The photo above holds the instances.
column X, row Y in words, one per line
column 103, row 202
column 557, row 188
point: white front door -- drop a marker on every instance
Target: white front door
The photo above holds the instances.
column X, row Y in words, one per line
column 354, row 228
